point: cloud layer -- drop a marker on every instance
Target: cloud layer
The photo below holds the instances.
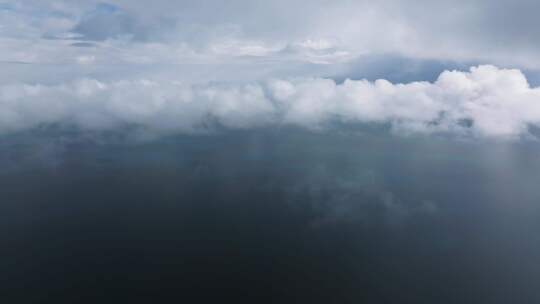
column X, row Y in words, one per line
column 485, row 102
column 119, row 31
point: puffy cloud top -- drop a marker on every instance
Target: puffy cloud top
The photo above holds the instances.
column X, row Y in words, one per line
column 485, row 102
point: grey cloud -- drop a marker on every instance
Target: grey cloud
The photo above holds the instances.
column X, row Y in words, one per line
column 218, row 31
column 83, row 44
column 460, row 30
column 108, row 22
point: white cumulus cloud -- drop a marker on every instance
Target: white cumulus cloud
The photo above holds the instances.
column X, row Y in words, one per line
column 484, row 102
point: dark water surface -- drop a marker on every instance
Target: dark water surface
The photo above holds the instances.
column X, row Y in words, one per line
column 268, row 216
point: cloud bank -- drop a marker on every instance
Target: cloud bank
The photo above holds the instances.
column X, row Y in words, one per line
column 483, row 102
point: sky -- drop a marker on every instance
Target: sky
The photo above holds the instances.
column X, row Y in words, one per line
column 432, row 68
column 269, row 151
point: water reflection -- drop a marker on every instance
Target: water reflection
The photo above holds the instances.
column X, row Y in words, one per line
column 285, row 215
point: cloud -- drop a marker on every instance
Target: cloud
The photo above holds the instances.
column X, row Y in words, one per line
column 107, row 21
column 318, row 31
column 484, row 102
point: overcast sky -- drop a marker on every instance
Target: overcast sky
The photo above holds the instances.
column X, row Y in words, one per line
column 185, row 65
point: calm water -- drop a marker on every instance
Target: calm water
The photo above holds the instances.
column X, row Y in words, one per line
column 268, row 216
